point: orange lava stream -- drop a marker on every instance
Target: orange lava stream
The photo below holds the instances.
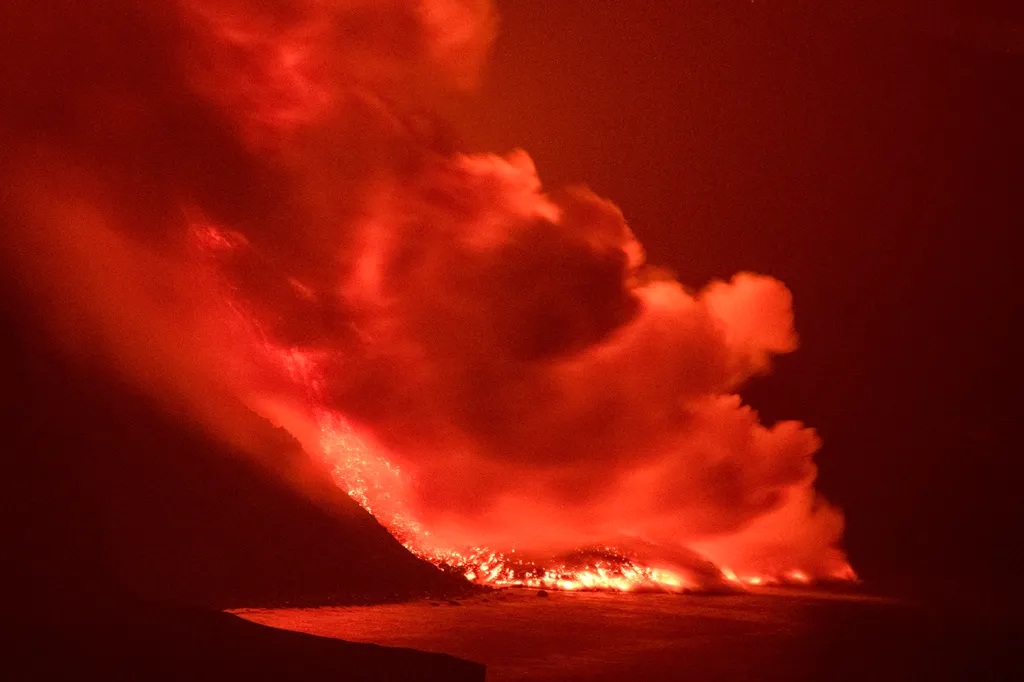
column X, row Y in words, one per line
column 378, row 485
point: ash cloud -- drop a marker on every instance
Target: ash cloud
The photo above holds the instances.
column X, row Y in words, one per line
column 542, row 384
column 510, row 348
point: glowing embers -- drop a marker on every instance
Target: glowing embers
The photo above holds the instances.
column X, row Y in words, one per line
column 602, row 569
column 369, row 479
column 379, row 487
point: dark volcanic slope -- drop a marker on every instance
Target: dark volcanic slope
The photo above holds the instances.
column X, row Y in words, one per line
column 104, row 490
column 101, row 485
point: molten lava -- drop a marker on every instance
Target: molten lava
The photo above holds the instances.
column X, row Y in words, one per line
column 376, row 484
column 363, row 470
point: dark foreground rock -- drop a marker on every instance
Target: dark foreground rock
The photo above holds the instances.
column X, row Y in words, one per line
column 165, row 643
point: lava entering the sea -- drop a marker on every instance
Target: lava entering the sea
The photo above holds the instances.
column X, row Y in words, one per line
column 365, row 468
column 491, row 369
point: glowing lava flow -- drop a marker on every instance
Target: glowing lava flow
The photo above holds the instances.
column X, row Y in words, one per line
column 378, row 486
column 373, row 482
column 361, row 468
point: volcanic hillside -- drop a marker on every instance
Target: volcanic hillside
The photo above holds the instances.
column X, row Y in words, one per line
column 106, row 489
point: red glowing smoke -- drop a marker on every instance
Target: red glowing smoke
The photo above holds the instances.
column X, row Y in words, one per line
column 485, row 364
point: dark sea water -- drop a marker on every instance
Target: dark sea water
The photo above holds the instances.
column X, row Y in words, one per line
column 769, row 635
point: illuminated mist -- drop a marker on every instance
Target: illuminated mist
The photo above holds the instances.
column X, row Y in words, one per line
column 491, row 369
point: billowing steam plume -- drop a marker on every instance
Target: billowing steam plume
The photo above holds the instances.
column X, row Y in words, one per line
column 254, row 199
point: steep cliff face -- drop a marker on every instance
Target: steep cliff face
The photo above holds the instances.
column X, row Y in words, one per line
column 106, row 490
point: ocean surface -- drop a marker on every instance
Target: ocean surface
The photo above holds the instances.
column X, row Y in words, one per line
column 773, row 634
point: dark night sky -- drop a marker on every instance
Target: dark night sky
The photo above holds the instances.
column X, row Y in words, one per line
column 868, row 158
